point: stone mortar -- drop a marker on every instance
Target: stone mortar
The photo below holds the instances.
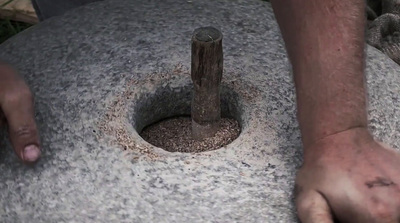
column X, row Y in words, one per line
column 96, row 70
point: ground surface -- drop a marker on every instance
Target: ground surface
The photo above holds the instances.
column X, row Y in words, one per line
column 95, row 72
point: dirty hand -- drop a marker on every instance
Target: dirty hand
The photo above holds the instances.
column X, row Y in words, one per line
column 349, row 177
column 16, row 112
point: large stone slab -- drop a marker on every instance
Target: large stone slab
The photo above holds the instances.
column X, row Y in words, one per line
column 103, row 70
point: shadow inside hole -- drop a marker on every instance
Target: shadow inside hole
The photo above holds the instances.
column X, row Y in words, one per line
column 167, row 102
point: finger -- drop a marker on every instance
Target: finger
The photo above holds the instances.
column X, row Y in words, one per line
column 313, row 208
column 19, row 113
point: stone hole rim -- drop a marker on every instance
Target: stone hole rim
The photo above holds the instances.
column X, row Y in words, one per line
column 168, row 101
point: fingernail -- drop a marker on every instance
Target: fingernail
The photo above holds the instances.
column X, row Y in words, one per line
column 31, row 153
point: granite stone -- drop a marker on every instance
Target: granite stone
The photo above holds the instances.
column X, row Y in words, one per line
column 104, row 71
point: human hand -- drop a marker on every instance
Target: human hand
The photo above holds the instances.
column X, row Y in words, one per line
column 349, row 177
column 17, row 113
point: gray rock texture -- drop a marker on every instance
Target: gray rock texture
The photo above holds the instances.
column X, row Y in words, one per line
column 101, row 71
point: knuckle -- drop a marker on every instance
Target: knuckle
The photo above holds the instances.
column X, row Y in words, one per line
column 313, row 207
column 302, row 207
column 24, row 131
column 383, row 213
column 304, row 203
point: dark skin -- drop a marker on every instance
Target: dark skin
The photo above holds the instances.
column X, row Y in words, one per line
column 346, row 174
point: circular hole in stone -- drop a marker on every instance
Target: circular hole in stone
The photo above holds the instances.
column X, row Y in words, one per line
column 162, row 118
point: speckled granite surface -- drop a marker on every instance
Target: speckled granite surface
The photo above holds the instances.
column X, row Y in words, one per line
column 103, row 70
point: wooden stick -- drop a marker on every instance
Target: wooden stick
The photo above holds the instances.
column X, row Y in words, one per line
column 206, row 73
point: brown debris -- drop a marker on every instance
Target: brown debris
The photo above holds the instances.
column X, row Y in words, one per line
column 174, row 135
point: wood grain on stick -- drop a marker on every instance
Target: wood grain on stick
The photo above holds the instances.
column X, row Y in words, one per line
column 206, row 74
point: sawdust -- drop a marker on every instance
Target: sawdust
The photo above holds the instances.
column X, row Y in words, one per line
column 114, row 124
column 174, row 135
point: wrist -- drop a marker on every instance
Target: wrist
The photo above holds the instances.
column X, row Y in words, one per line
column 326, row 111
column 338, row 143
column 314, row 129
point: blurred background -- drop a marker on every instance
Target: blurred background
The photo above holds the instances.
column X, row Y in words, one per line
column 15, row 16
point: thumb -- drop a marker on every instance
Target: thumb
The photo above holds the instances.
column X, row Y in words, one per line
column 19, row 113
column 313, row 208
